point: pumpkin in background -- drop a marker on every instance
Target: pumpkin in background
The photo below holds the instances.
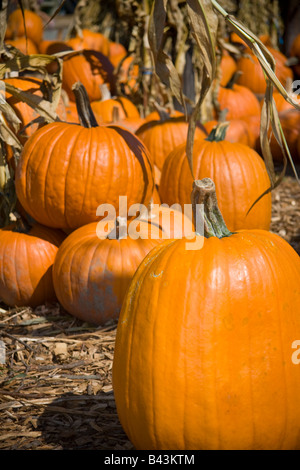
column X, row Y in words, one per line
column 26, row 258
column 253, row 125
column 33, row 23
column 239, row 173
column 105, row 108
column 227, row 67
column 252, row 75
column 52, row 47
column 93, row 271
column 237, row 131
column 238, row 100
column 163, row 135
column 90, row 40
column 203, row 352
column 127, row 73
column 66, row 171
column 25, row 112
column 116, row 52
column 71, row 112
column 27, row 47
column 92, row 69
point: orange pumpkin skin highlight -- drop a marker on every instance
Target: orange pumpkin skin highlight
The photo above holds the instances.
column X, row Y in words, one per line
column 26, row 261
column 66, row 171
column 239, row 174
column 91, row 275
column 203, row 350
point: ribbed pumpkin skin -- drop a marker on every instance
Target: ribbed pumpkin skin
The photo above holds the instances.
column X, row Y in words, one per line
column 91, row 275
column 202, row 358
column 161, row 137
column 239, row 174
column 66, row 171
column 26, row 262
column 103, row 110
column 240, row 102
column 92, row 69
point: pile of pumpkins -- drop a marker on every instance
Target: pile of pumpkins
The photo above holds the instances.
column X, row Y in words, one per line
column 203, row 348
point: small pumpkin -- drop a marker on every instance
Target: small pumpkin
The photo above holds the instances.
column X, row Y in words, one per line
column 239, row 173
column 227, row 67
column 237, row 131
column 203, row 336
column 33, row 24
column 26, row 46
column 66, row 170
column 238, row 100
column 94, row 266
column 163, row 135
column 91, row 40
column 26, row 259
column 92, row 69
column 105, row 108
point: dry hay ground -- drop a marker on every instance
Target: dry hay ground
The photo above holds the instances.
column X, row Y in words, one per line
column 55, row 387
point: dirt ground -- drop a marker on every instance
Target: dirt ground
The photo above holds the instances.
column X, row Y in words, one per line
column 55, row 386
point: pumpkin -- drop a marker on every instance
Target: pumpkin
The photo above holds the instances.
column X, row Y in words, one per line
column 203, row 352
column 92, row 69
column 238, row 100
column 252, row 75
column 105, row 108
column 33, row 23
column 66, row 170
column 90, row 40
column 116, row 52
column 127, row 72
column 25, row 112
column 239, row 173
column 163, row 135
column 52, row 47
column 71, row 112
column 94, row 266
column 253, row 125
column 26, row 259
column 26, row 46
column 237, row 131
column 227, row 68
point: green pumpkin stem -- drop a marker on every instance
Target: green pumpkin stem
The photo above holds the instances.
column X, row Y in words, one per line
column 218, row 133
column 204, row 194
column 85, row 113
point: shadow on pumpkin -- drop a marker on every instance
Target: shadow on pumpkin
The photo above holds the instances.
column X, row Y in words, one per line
column 83, row 422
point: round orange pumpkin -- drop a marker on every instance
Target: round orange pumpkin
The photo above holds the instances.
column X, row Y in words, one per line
column 93, row 271
column 66, row 170
column 108, row 106
column 203, row 352
column 92, row 69
column 33, row 23
column 90, row 40
column 227, row 68
column 26, row 46
column 239, row 173
column 162, row 135
column 26, row 260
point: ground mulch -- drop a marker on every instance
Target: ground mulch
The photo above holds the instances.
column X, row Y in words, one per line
column 55, row 385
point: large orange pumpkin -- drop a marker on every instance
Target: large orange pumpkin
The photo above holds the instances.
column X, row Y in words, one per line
column 67, row 170
column 26, row 260
column 33, row 24
column 203, row 353
column 93, row 271
column 239, row 173
column 92, row 69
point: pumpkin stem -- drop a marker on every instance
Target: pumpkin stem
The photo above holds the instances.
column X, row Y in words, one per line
column 105, row 92
column 85, row 113
column 204, row 193
column 163, row 114
column 218, row 133
column 120, row 229
column 233, row 79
